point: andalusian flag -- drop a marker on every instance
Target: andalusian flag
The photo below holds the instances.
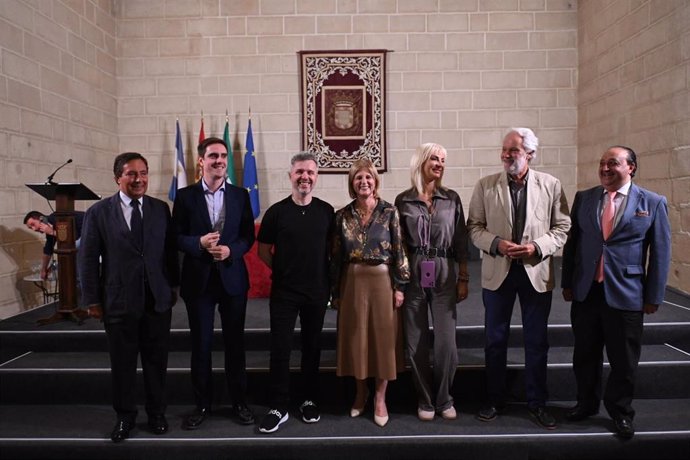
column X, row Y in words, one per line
column 231, row 163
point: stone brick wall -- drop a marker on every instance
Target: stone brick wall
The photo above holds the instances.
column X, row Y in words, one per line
column 459, row 73
column 58, row 100
column 91, row 78
column 634, row 74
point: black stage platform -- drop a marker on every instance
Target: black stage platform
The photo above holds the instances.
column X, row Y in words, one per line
column 55, row 398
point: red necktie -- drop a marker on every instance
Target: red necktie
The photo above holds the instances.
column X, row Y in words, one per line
column 607, row 218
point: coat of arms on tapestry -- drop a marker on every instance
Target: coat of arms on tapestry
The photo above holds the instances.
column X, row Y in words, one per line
column 344, row 107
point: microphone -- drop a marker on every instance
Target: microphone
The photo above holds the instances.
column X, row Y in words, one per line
column 50, row 178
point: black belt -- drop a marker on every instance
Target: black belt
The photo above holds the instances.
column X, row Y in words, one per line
column 436, row 252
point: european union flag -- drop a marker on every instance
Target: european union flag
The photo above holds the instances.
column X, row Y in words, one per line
column 249, row 179
column 179, row 179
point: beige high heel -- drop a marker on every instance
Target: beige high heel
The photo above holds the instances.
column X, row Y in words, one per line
column 357, row 411
column 380, row 420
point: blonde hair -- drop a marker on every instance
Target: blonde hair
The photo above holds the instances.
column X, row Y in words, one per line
column 366, row 164
column 420, row 156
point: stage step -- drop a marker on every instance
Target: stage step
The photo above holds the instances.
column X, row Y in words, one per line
column 55, row 397
column 81, row 432
column 16, row 342
column 84, row 377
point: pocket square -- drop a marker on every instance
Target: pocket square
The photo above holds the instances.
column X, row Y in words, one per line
column 641, row 213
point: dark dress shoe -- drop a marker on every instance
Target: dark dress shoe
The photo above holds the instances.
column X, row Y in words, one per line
column 543, row 418
column 624, row 428
column 121, row 430
column 158, row 424
column 243, row 413
column 579, row 413
column 490, row 412
column 195, row 419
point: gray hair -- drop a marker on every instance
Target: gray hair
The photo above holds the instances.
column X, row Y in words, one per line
column 304, row 156
column 529, row 140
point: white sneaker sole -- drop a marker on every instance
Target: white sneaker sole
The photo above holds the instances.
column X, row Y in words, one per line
column 275, row 428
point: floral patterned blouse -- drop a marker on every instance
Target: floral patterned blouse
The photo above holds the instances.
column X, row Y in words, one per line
column 378, row 242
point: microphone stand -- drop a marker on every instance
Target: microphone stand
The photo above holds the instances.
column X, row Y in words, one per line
column 50, row 178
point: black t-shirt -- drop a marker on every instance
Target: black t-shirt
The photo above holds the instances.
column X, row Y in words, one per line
column 49, row 246
column 300, row 236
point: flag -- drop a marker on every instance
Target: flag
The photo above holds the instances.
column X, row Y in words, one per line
column 231, row 163
column 249, row 180
column 179, row 178
column 202, row 136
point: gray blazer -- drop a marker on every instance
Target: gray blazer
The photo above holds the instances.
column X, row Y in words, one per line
column 117, row 280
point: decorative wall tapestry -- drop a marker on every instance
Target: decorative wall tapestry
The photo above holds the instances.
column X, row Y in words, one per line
column 344, row 107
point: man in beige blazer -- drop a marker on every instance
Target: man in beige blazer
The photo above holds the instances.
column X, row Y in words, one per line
column 519, row 219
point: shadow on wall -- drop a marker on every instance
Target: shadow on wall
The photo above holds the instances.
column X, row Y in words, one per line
column 18, row 253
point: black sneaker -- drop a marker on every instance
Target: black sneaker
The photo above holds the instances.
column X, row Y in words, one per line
column 272, row 421
column 310, row 413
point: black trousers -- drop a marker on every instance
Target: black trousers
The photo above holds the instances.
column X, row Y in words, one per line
column 595, row 326
column 283, row 318
column 148, row 334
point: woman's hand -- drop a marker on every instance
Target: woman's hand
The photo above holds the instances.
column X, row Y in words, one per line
column 398, row 298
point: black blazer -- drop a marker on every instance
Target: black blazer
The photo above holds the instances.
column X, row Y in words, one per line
column 191, row 222
column 119, row 284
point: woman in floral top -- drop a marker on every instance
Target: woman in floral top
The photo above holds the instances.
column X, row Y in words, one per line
column 369, row 271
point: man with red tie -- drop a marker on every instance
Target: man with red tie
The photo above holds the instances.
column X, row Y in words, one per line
column 615, row 266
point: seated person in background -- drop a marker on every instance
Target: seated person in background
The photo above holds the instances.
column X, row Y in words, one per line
column 39, row 222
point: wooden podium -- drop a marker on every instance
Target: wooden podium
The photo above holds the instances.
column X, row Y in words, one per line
column 65, row 234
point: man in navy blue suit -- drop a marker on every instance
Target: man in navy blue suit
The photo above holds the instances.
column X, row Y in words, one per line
column 615, row 265
column 129, row 275
column 215, row 228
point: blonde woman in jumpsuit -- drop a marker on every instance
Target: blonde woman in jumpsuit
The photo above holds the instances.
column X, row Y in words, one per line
column 435, row 235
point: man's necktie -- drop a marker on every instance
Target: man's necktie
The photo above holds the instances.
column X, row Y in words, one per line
column 137, row 225
column 607, row 218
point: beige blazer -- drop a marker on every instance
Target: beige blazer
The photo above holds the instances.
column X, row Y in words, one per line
column 547, row 224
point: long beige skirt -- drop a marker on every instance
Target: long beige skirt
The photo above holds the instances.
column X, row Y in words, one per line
column 370, row 342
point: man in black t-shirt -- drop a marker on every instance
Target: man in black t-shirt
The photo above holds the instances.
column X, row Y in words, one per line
column 293, row 242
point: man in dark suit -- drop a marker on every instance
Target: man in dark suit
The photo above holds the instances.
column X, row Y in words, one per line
column 129, row 276
column 615, row 266
column 215, row 228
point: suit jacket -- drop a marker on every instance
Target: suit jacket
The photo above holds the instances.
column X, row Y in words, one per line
column 546, row 224
column 191, row 221
column 637, row 254
column 113, row 268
